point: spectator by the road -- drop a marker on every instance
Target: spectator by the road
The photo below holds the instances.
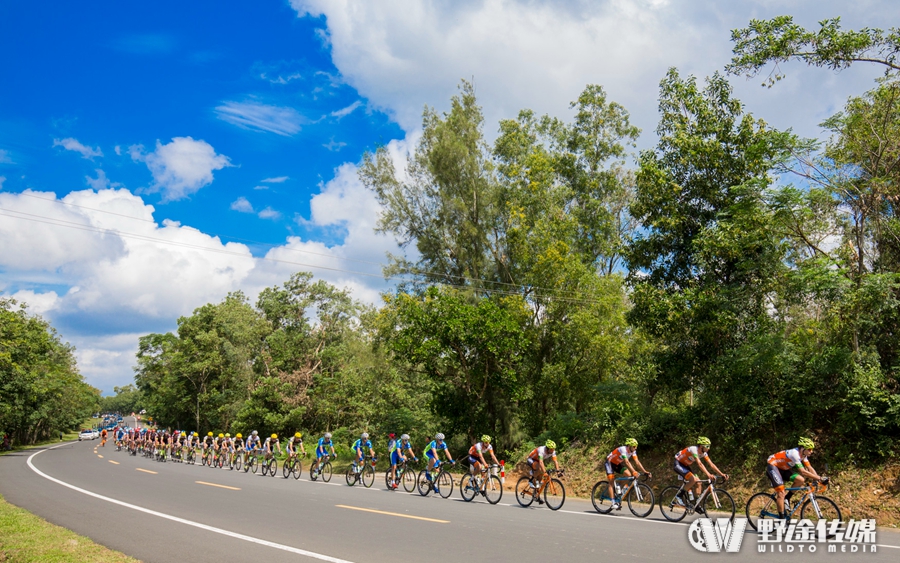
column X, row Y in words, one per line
column 7, row 443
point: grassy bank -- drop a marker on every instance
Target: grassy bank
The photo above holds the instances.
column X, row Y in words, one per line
column 25, row 538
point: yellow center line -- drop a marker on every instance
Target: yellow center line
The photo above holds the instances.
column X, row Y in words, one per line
column 116, row 462
column 393, row 514
column 100, row 456
column 146, row 471
column 220, row 486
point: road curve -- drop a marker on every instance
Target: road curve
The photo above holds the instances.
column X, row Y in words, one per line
column 172, row 512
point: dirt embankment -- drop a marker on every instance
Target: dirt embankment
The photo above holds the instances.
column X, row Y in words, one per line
column 859, row 493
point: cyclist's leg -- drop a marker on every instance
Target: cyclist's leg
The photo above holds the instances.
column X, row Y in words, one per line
column 610, row 479
column 797, row 481
column 775, row 477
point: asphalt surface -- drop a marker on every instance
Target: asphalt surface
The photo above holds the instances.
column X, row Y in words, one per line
column 175, row 512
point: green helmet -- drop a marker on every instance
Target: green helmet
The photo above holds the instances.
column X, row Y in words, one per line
column 631, row 442
column 486, row 439
column 703, row 441
column 806, row 443
column 551, row 444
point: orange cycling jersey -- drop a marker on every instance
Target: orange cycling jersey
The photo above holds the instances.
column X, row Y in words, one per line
column 619, row 455
column 540, row 453
column 480, row 447
column 689, row 455
column 787, row 459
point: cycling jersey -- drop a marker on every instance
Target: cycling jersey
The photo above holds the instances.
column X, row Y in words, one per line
column 270, row 444
column 252, row 442
column 787, row 459
column 238, row 443
column 294, row 443
column 359, row 444
column 434, row 446
column 540, row 452
column 392, row 445
column 479, row 447
column 619, row 455
column 689, row 455
column 322, row 445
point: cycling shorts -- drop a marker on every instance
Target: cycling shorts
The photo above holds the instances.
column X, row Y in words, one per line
column 473, row 460
column 320, row 453
column 395, row 457
column 778, row 477
column 613, row 468
column 360, row 454
column 682, row 470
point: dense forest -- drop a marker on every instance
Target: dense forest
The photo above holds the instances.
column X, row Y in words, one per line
column 735, row 281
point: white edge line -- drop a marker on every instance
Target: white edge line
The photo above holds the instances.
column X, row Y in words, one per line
column 182, row 520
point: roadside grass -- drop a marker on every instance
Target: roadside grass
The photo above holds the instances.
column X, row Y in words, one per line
column 66, row 437
column 26, row 538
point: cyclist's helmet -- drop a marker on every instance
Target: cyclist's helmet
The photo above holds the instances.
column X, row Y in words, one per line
column 194, row 433
column 550, row 444
column 221, row 435
column 238, row 435
column 254, row 432
column 298, row 435
column 486, row 439
column 631, row 442
column 703, row 441
column 228, row 435
column 806, row 443
column 404, row 437
column 209, row 433
column 439, row 436
column 328, row 435
column 274, row 436
column 364, row 436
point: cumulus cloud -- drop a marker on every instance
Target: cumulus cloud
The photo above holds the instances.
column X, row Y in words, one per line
column 255, row 116
column 269, row 213
column 540, row 54
column 180, row 167
column 101, row 182
column 71, row 144
column 38, row 303
column 241, row 204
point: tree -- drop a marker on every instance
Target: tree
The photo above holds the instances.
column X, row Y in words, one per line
column 780, row 40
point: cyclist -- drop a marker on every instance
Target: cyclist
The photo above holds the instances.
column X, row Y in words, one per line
column 618, row 461
column 120, row 437
column 103, row 438
column 236, row 445
column 208, row 442
column 270, row 445
column 431, row 452
column 294, row 442
column 476, row 454
column 790, row 465
column 398, row 457
column 324, row 444
column 220, row 443
column 358, row 446
column 535, row 461
column 695, row 454
column 252, row 443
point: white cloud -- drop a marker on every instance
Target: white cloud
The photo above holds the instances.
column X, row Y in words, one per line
column 181, row 167
column 261, row 117
column 71, row 144
column 5, row 158
column 334, row 146
column 241, row 204
column 540, row 54
column 38, row 303
column 257, row 188
column 275, row 180
column 101, row 182
column 343, row 112
column 280, row 79
column 269, row 213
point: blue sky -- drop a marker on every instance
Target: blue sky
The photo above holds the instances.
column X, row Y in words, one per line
column 143, row 145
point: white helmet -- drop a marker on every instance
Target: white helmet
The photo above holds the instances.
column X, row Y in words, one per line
column 364, row 436
column 405, row 437
column 255, row 432
column 438, row 436
column 328, row 435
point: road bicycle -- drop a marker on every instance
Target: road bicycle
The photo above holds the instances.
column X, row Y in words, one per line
column 811, row 505
column 402, row 474
column 553, row 490
column 251, row 461
column 638, row 494
column 675, row 502
column 292, row 465
column 362, row 472
column 443, row 482
column 322, row 468
column 269, row 466
column 485, row 482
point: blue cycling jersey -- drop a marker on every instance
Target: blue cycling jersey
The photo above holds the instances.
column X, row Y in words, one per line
column 434, row 446
column 360, row 444
column 323, row 443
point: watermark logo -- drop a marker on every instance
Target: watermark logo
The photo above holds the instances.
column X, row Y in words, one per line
column 715, row 537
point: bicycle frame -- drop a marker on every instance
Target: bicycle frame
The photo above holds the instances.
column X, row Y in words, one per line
column 809, row 493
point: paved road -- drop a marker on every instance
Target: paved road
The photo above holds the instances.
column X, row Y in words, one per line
column 173, row 512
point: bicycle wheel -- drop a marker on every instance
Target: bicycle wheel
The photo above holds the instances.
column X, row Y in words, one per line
column 423, row 484
column 351, row 476
column 253, row 463
column 554, row 494
column 493, row 489
column 827, row 510
column 265, row 467
column 388, row 480
column 409, row 480
column 672, row 505
column 220, row 461
column 445, row 484
column 368, row 476
column 326, row 472
column 297, row 468
column 524, row 492
column 238, row 462
column 467, row 487
column 286, row 469
column 273, row 467
column 203, row 459
column 600, row 497
column 640, row 500
column 761, row 505
column 313, row 474
column 720, row 502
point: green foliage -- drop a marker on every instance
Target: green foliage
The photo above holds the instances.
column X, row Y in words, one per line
column 128, row 399
column 41, row 391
